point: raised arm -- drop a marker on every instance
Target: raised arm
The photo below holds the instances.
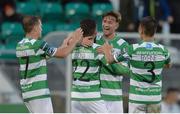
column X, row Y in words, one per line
column 69, row 44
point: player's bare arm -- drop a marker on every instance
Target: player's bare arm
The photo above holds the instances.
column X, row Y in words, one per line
column 167, row 66
column 69, row 44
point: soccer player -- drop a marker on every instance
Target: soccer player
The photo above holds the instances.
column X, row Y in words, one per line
column 111, row 84
column 31, row 53
column 147, row 60
column 85, row 95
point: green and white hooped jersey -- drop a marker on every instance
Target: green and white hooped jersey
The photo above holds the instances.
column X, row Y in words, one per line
column 111, row 83
column 86, row 66
column 147, row 60
column 31, row 54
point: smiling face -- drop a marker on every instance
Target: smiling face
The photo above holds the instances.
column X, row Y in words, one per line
column 109, row 25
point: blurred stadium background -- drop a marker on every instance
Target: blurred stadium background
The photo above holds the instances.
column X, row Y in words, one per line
column 60, row 17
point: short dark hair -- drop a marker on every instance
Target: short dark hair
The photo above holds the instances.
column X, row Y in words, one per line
column 149, row 24
column 172, row 89
column 117, row 15
column 88, row 26
column 29, row 22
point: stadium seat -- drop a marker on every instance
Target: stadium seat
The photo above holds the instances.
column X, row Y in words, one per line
column 77, row 11
column 28, row 8
column 1, row 47
column 51, row 12
column 66, row 27
column 8, row 51
column 98, row 9
column 46, row 28
column 12, row 42
column 99, row 26
column 12, row 30
column 49, row 0
column 10, row 45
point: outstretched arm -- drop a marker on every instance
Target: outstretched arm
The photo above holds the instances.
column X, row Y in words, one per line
column 116, row 68
column 120, row 69
column 116, row 56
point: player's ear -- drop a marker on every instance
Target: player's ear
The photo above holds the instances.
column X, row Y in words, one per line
column 117, row 25
column 35, row 29
column 95, row 33
column 140, row 30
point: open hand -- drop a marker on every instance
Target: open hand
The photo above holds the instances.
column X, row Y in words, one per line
column 77, row 35
column 104, row 48
column 86, row 42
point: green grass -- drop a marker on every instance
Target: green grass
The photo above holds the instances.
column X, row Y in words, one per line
column 13, row 108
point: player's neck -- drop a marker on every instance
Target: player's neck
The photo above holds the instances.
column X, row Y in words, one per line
column 148, row 38
column 31, row 35
column 109, row 37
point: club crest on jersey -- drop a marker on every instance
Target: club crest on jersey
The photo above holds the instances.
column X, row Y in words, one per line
column 149, row 46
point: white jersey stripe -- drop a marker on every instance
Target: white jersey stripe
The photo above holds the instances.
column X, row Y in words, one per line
column 135, row 46
column 42, row 77
column 32, row 66
column 144, row 97
column 24, row 53
column 120, row 42
column 77, row 55
column 90, row 70
column 145, row 71
column 145, row 84
column 111, row 91
column 83, row 83
column 39, row 52
column 110, row 77
column 85, row 95
column 35, row 93
column 155, row 58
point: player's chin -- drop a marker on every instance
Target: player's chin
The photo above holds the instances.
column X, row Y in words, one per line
column 106, row 32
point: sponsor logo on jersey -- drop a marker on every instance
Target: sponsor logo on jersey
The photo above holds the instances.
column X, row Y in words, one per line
column 149, row 46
